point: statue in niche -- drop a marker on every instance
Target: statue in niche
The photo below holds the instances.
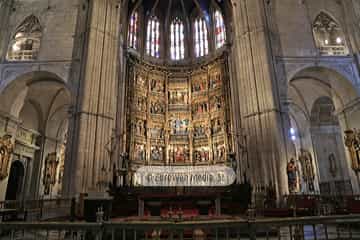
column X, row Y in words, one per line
column 219, row 152
column 179, row 154
column 157, row 153
column 199, row 131
column 215, row 103
column 141, row 104
column 307, row 168
column 140, row 81
column 49, row 177
column 157, row 85
column 140, row 128
column 6, row 149
column 178, row 97
column 215, row 81
column 352, row 142
column 157, row 133
column 292, row 170
column 157, row 107
column 201, row 155
column 216, row 126
column 140, row 153
column 198, row 86
column 332, row 165
column 199, row 108
column 179, row 126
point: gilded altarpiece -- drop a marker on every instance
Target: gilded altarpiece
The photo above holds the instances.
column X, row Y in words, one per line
column 178, row 116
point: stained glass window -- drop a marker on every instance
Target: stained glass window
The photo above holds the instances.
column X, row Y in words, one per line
column 201, row 38
column 133, row 30
column 177, row 48
column 153, row 37
column 220, row 33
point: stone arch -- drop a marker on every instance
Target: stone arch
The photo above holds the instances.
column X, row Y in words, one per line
column 308, row 88
column 40, row 101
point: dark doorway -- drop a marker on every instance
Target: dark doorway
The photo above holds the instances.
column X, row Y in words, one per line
column 15, row 181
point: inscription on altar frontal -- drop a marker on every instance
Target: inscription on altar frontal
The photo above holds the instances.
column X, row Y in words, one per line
column 184, row 176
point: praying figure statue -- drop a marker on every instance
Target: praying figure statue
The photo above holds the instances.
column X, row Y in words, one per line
column 292, row 175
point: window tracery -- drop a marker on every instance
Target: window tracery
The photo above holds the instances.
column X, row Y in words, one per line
column 133, row 30
column 201, row 37
column 177, row 37
column 329, row 36
column 220, row 31
column 25, row 43
column 153, row 37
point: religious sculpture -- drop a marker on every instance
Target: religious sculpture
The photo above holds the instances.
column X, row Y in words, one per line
column 49, row 177
column 216, row 126
column 141, row 104
column 140, row 81
column 157, row 107
column 140, row 153
column 215, row 103
column 352, row 142
column 307, row 168
column 199, row 131
column 201, row 155
column 291, row 170
column 199, row 108
column 157, row 153
column 6, row 149
column 178, row 97
column 215, row 81
column 332, row 165
column 219, row 152
column 157, row 85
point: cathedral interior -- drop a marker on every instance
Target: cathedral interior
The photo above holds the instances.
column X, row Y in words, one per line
column 95, row 92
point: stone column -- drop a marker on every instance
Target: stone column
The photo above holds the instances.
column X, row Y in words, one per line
column 258, row 95
column 94, row 115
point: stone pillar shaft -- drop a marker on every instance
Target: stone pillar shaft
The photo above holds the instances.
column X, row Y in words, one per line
column 95, row 113
column 259, row 103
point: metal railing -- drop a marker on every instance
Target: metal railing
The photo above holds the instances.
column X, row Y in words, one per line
column 310, row 228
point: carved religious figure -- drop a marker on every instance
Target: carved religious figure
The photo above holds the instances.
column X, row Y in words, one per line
column 141, row 104
column 352, row 142
column 157, row 85
column 157, row 153
column 292, row 170
column 199, row 131
column 178, row 97
column 140, row 81
column 140, row 128
column 199, row 108
column 215, row 81
column 198, row 86
column 140, row 153
column 219, row 152
column 201, row 155
column 307, row 166
column 215, row 103
column 50, row 168
column 157, row 107
column 216, row 126
column 6, row 149
column 332, row 165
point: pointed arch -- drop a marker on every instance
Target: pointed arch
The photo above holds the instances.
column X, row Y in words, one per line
column 329, row 36
column 25, row 43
